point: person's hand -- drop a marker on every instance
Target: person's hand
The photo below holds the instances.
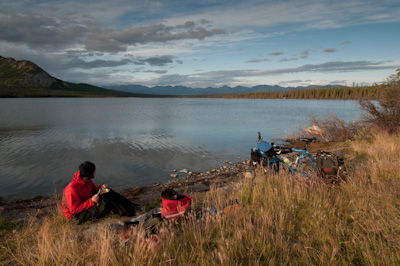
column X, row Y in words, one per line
column 104, row 186
column 95, row 198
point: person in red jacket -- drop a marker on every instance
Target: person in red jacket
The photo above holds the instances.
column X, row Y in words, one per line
column 82, row 202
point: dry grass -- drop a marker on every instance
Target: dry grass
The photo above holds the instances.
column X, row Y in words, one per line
column 329, row 128
column 282, row 220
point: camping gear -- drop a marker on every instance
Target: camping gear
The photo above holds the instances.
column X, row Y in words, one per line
column 211, row 211
column 156, row 213
column 328, row 164
column 141, row 218
column 174, row 205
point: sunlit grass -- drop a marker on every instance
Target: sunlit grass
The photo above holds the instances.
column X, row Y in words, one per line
column 281, row 220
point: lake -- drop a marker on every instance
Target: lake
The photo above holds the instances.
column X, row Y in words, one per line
column 137, row 141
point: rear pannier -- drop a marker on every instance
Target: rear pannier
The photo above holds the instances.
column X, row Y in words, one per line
column 328, row 164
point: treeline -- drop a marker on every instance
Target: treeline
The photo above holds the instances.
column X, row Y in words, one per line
column 72, row 90
column 347, row 93
column 39, row 92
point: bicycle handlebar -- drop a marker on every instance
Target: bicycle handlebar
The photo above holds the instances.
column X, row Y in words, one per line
column 314, row 139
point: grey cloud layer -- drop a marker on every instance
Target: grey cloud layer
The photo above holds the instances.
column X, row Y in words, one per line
column 118, row 40
column 276, row 53
column 43, row 31
column 205, row 79
column 39, row 31
column 330, row 50
column 152, row 61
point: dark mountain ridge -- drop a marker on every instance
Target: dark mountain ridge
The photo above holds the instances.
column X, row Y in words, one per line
column 26, row 79
column 182, row 90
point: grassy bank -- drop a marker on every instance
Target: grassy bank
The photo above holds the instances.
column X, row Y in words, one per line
column 281, row 220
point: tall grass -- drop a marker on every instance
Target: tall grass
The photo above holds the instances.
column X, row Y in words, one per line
column 281, row 220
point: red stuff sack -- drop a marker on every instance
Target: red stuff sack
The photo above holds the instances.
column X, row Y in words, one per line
column 174, row 205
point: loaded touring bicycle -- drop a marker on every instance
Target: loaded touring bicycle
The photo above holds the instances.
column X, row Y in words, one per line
column 298, row 161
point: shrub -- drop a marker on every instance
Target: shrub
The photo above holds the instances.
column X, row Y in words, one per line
column 386, row 113
column 329, row 128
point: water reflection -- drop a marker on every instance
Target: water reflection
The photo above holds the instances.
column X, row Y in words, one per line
column 136, row 141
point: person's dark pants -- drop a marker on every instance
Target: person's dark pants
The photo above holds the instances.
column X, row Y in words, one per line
column 109, row 203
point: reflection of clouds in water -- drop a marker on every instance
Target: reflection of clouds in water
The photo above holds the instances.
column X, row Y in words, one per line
column 41, row 160
column 136, row 141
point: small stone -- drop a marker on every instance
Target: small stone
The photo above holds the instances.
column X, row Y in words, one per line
column 174, row 170
column 185, row 171
column 174, row 175
column 248, row 175
column 199, row 187
column 203, row 156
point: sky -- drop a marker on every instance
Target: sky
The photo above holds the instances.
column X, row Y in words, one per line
column 206, row 43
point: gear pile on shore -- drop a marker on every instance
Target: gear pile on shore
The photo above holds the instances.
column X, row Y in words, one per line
column 184, row 181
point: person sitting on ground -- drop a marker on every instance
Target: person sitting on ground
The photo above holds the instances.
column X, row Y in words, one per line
column 81, row 201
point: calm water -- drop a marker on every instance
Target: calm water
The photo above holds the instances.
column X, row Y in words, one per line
column 135, row 142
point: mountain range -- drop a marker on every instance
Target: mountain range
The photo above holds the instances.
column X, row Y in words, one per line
column 26, row 79
column 182, row 90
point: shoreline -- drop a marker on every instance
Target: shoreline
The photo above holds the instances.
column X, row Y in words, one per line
column 20, row 210
column 195, row 182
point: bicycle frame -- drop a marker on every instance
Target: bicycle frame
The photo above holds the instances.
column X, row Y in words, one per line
column 303, row 154
column 262, row 149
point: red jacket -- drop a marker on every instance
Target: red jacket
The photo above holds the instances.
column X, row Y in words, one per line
column 77, row 196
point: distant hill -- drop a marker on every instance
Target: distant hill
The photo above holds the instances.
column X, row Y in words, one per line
column 26, row 79
column 182, row 90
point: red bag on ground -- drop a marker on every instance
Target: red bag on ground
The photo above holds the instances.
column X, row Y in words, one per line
column 174, row 205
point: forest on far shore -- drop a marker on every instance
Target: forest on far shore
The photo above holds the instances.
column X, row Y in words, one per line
column 347, row 93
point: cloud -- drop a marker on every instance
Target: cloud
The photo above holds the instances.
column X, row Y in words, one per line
column 345, row 42
column 338, row 82
column 222, row 77
column 39, row 31
column 152, row 61
column 155, row 60
column 331, row 67
column 52, row 32
column 330, row 50
column 276, row 53
column 304, row 54
column 290, row 81
column 257, row 60
column 253, row 60
column 211, row 78
column 288, row 59
column 117, row 40
column 79, row 63
column 156, row 71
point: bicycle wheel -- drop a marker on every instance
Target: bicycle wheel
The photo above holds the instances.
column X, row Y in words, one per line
column 307, row 168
